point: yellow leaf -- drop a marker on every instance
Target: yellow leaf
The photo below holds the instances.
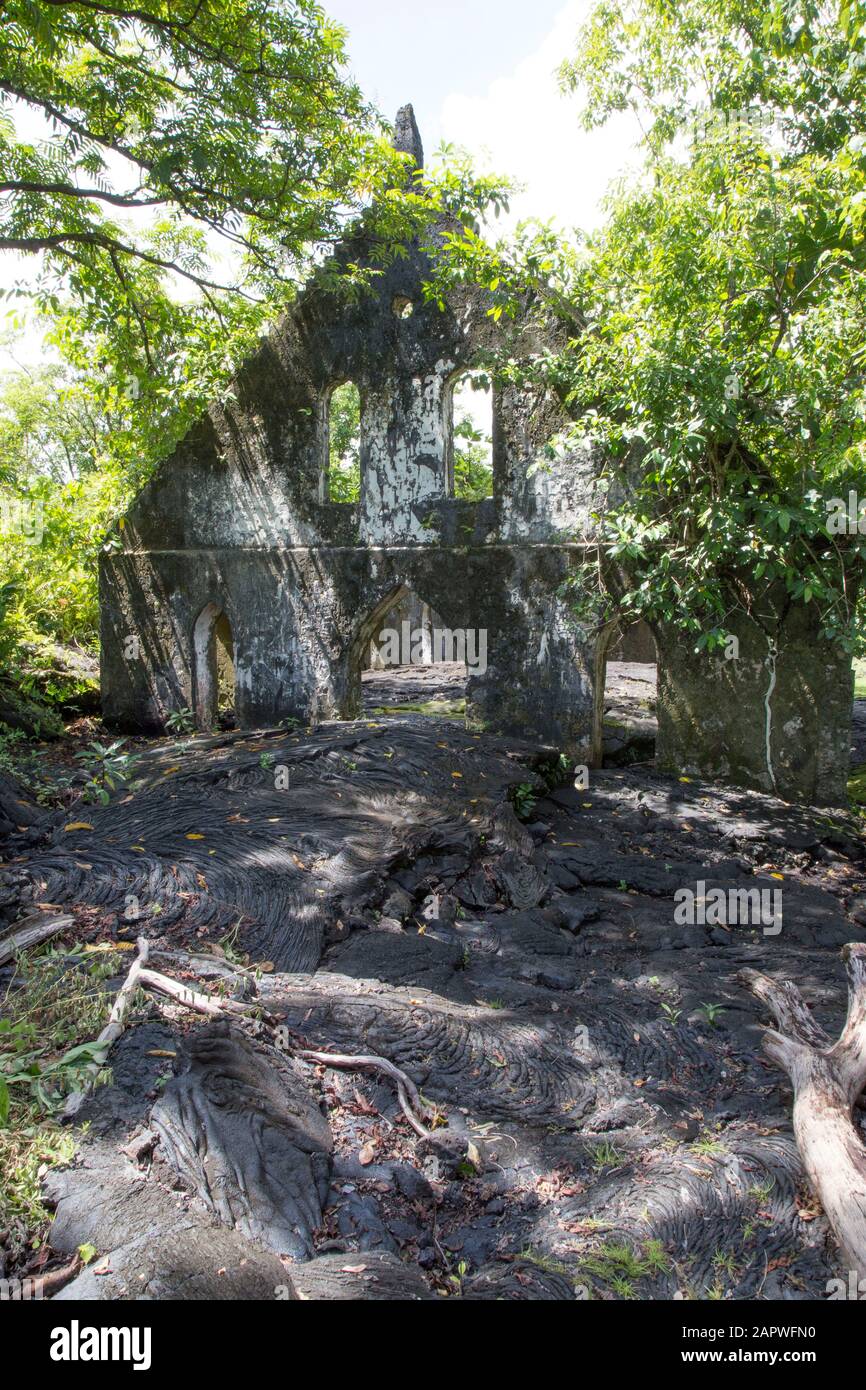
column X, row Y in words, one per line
column 779, row 876
column 194, row 836
column 457, row 774
column 685, row 779
column 78, row 825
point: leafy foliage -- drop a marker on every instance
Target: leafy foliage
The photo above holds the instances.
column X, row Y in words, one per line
column 174, row 172
column 715, row 348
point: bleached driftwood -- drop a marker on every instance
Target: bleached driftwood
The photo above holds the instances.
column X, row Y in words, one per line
column 827, row 1078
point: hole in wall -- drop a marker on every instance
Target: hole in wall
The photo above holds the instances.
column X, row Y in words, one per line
column 413, row 662
column 342, row 476
column 628, row 711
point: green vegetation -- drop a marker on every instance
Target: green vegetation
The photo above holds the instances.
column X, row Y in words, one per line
column 523, row 798
column 857, row 788
column 52, row 1011
column 176, row 178
column 618, row 1266
column 713, row 325
column 440, row 709
column 344, row 444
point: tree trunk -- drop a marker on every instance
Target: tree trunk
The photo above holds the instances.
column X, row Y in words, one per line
column 827, row 1078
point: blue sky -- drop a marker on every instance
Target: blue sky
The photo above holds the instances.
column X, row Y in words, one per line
column 480, row 74
column 422, row 51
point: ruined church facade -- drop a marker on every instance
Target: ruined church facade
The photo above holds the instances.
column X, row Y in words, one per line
column 237, row 531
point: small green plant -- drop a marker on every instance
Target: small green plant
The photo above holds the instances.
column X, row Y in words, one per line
column 710, row 1012
column 605, row 1155
column 108, row 767
column 618, row 1266
column 708, row 1145
column 724, row 1260
column 670, row 1013
column 49, row 1016
column 267, row 760
column 181, row 721
column 229, row 946
column 523, row 799
column 760, row 1191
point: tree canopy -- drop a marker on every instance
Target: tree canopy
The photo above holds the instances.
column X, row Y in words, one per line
column 169, row 176
column 715, row 322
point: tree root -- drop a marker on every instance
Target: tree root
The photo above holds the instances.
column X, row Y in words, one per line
column 113, row 1028
column 411, row 1101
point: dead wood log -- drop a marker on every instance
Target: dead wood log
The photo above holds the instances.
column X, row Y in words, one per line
column 827, row 1078
column 37, row 928
column 201, row 1003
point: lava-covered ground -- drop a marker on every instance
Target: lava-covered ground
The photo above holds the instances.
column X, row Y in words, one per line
column 606, row 1124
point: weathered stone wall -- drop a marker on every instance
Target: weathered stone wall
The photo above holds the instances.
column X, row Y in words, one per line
column 776, row 716
column 302, row 621
column 238, row 519
column 635, row 643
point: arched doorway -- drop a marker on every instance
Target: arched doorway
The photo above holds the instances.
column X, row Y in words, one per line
column 213, row 668
column 407, row 657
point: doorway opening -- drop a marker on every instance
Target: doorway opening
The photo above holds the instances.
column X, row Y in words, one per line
column 411, row 662
column 213, row 670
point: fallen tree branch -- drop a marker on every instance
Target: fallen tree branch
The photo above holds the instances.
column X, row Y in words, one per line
column 201, row 1003
column 827, row 1080
column 411, row 1101
column 113, row 1028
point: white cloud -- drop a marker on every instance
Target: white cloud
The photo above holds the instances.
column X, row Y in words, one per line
column 524, row 126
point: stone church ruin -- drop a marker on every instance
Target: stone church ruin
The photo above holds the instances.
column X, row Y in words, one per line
column 236, row 568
